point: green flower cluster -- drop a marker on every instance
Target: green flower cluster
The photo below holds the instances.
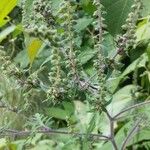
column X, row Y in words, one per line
column 100, row 62
column 129, row 39
column 66, row 17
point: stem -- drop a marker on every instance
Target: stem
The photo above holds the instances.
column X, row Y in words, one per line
column 51, row 131
column 129, row 108
column 100, row 25
column 112, row 136
column 130, row 134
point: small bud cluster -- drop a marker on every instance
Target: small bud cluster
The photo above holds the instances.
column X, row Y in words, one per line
column 66, row 15
column 128, row 39
column 25, row 17
column 43, row 10
column 56, row 77
column 99, row 62
column 41, row 22
column 61, row 34
column 7, row 67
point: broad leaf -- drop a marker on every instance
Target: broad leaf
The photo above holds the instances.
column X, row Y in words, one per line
column 140, row 62
column 121, row 99
column 117, row 12
column 6, row 6
column 58, row 113
column 22, row 59
column 82, row 23
column 143, row 30
column 86, row 54
column 33, row 47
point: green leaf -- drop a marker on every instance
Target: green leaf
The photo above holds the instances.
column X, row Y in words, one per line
column 121, row 99
column 143, row 30
column 22, row 59
column 146, row 10
column 82, row 23
column 86, row 54
column 140, row 62
column 108, row 45
column 6, row 6
column 3, row 143
column 88, row 6
column 112, row 83
column 83, row 116
column 18, row 30
column 117, row 12
column 57, row 113
column 33, row 46
column 69, row 107
column 92, row 124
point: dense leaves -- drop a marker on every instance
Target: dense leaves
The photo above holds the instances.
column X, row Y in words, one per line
column 68, row 72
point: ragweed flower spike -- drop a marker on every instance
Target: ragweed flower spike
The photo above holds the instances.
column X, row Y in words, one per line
column 129, row 39
column 56, row 89
column 99, row 62
column 67, row 14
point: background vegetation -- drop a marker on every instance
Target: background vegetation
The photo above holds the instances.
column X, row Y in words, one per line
column 75, row 75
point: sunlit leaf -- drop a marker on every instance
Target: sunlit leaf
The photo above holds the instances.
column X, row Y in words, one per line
column 33, row 47
column 143, row 30
column 6, row 32
column 6, row 6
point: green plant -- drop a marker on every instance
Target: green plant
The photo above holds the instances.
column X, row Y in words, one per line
column 72, row 78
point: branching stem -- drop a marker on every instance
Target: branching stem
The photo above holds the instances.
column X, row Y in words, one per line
column 130, row 108
column 51, row 131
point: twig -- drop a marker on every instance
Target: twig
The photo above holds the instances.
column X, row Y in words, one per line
column 51, row 131
column 129, row 108
column 130, row 134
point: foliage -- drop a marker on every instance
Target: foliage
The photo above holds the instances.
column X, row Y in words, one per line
column 74, row 74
